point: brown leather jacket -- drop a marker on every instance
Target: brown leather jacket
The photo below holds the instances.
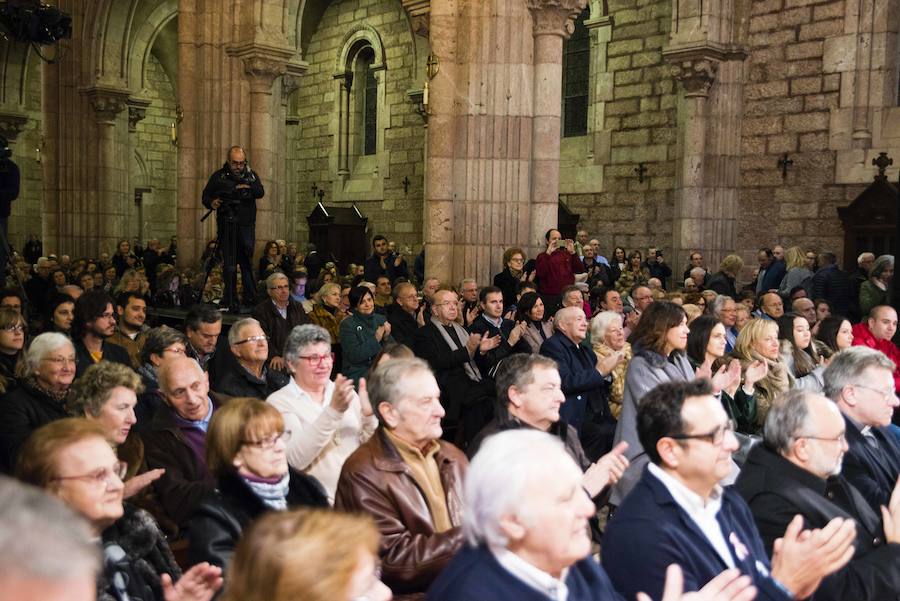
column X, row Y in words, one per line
column 376, row 481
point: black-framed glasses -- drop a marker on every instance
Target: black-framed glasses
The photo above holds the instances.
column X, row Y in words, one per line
column 17, row 328
column 269, row 441
column 715, row 437
column 262, row 338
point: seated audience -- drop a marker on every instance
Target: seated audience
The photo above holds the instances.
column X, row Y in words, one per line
column 252, row 376
column 758, row 341
column 859, row 380
column 328, row 314
column 159, row 344
column 798, row 353
column 327, row 419
column 530, row 310
column 13, row 330
column 836, row 333
column 40, row 397
column 491, row 324
column 203, row 326
column 877, row 332
column 245, row 452
column 94, row 322
column 798, row 472
column 362, row 334
column 131, row 311
column 404, row 314
column 312, row 555
column 407, row 478
column 679, row 510
column 607, row 338
column 513, row 273
column 770, row 306
column 278, row 315
column 725, row 310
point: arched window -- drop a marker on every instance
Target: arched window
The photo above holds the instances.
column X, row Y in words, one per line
column 576, row 77
column 367, row 98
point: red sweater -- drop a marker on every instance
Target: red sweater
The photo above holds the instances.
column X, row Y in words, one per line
column 862, row 336
column 557, row 271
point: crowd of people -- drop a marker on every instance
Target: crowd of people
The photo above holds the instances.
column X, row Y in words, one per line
column 581, row 427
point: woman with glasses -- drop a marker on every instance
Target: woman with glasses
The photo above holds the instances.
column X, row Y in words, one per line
column 327, row 419
column 246, row 452
column 327, row 312
column 13, row 330
column 513, row 273
column 72, row 460
column 48, row 371
column 362, row 334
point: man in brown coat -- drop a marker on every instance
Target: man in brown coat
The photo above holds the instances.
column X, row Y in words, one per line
column 278, row 315
column 408, row 479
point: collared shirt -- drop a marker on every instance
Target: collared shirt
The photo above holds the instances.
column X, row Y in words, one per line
column 200, row 424
column 554, row 588
column 282, row 312
column 423, row 469
column 496, row 323
column 703, row 514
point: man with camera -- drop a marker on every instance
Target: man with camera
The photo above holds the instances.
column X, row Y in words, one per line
column 232, row 192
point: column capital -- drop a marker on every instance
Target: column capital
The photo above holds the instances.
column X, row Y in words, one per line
column 262, row 63
column 555, row 17
column 696, row 75
column 12, row 124
column 107, row 102
column 137, row 110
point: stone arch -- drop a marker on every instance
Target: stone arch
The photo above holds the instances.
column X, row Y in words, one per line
column 360, row 34
column 144, row 40
column 14, row 58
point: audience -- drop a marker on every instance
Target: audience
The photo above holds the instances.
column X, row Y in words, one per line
column 530, row 310
column 327, row 313
column 607, row 339
column 252, row 376
column 278, row 315
column 877, row 332
column 758, row 343
column 490, row 324
column 131, row 308
column 798, row 353
column 363, row 333
column 405, row 314
column 13, row 330
column 94, row 323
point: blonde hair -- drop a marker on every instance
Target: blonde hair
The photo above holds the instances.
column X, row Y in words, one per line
column 307, row 554
column 38, row 457
column 326, row 290
column 692, row 311
column 239, row 420
column 91, row 391
column 732, row 265
column 750, row 334
column 794, row 257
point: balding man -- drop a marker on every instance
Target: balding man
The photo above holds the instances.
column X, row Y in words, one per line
column 404, row 314
column 798, row 472
column 877, row 332
column 585, row 381
column 805, row 307
column 770, row 306
column 175, row 439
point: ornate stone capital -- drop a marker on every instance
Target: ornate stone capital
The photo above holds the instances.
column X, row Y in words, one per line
column 555, row 17
column 12, row 124
column 419, row 12
column 262, row 64
column 289, row 85
column 137, row 110
column 696, row 75
column 107, row 102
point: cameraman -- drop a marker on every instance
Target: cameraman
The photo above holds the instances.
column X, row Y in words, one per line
column 232, row 191
column 9, row 191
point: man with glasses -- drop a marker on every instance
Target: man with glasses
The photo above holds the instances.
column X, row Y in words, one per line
column 94, row 322
column 278, row 315
column 860, row 381
column 251, row 377
column 679, row 513
column 798, row 471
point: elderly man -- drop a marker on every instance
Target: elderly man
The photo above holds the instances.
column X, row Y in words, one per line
column 860, row 381
column 585, row 381
column 94, row 323
column 490, row 324
column 797, row 471
column 278, row 315
column 806, row 308
column 251, row 376
column 468, row 299
column 526, row 529
column 877, row 332
column 451, row 352
column 131, row 327
column 598, row 256
column 770, row 306
column 175, row 439
column 641, row 298
column 406, row 478
column 679, row 513
column 725, row 310
column 698, row 276
column 404, row 314
column 695, row 261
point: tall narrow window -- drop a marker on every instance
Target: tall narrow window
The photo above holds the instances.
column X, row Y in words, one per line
column 369, row 101
column 576, row 76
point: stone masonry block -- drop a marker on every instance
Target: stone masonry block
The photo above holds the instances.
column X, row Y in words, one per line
column 619, row 62
column 625, row 47
column 795, row 16
column 637, row 90
column 782, row 143
column 627, row 77
column 805, row 85
column 802, row 68
column 764, row 23
column 832, row 10
column 643, row 59
column 821, row 29
column 761, row 125
column 766, row 90
column 762, row 7
column 804, row 50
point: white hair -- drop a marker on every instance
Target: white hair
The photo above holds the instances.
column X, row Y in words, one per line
column 43, row 345
column 498, row 477
column 601, row 322
column 234, row 333
column 698, row 271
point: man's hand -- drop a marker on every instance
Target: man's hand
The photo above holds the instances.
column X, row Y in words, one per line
column 277, row 362
column 141, row 481
column 216, row 203
column 802, row 558
column 398, row 260
column 473, row 343
column 199, row 583
column 516, row 333
column 891, row 516
column 605, row 365
column 730, row 585
column 472, row 314
column 606, row 471
column 343, row 393
column 420, row 316
column 489, row 344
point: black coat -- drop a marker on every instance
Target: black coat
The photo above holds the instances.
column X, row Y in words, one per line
column 23, row 411
column 722, row 283
column 373, row 268
column 276, row 327
column 215, row 527
column 873, row 471
column 834, row 285
column 403, row 325
column 111, row 352
column 10, row 183
column 508, row 283
column 238, row 382
column 490, row 361
column 223, row 185
column 776, row 490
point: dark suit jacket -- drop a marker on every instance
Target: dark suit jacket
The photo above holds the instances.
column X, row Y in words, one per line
column 238, row 382
column 474, row 574
column 373, row 268
column 403, row 325
column 872, row 471
column 489, row 361
column 833, row 284
column 773, row 275
column 776, row 490
column 585, row 389
column 650, row 530
column 276, row 327
column 111, row 352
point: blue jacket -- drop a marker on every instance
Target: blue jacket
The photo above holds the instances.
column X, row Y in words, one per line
column 582, row 384
column 475, row 575
column 649, row 531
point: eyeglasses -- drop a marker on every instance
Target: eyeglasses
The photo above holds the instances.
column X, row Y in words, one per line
column 841, row 438
column 18, row 328
column 103, row 476
column 262, row 338
column 269, row 442
column 60, row 361
column 176, row 350
column 316, row 360
column 108, row 315
column 885, row 394
column 716, row 437
column 281, row 287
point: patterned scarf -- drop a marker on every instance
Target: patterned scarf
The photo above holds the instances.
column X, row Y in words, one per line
column 272, row 494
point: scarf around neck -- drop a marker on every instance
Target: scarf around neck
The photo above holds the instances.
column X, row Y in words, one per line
column 272, row 494
column 470, row 367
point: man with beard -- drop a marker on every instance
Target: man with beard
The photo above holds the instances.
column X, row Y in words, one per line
column 95, row 322
column 130, row 330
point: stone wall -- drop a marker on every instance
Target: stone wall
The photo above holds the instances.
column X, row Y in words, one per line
column 27, row 213
column 394, row 213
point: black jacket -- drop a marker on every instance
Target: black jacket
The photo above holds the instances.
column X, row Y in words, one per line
column 834, row 285
column 508, row 283
column 10, row 181
column 403, row 325
column 276, row 327
column 776, row 490
column 373, row 268
column 223, row 185
column 215, row 527
column 722, row 283
column 490, row 361
column 873, row 471
column 238, row 382
column 111, row 352
column 23, row 411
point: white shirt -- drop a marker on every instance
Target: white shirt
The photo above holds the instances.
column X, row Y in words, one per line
column 554, row 588
column 703, row 514
column 321, row 438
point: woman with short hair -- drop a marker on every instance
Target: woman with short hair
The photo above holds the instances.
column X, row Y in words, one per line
column 608, row 337
column 60, row 314
column 159, row 343
column 245, row 451
column 327, row 313
column 362, row 334
column 724, row 280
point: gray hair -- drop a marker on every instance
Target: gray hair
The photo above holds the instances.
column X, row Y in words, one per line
column 881, row 263
column 274, row 278
column 719, row 303
column 387, row 382
column 302, row 337
column 846, row 367
column 157, row 340
column 43, row 345
column 560, row 316
column 234, row 333
column 601, row 322
column 42, row 538
column 698, row 271
column 518, row 371
column 786, row 418
column 169, row 366
column 497, row 480
column 863, row 256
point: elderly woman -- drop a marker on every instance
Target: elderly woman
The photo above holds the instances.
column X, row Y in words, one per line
column 758, row 341
column 876, row 290
column 513, row 273
column 608, row 337
column 159, row 343
column 12, row 340
column 245, row 451
column 72, row 460
column 327, row 313
column 313, row 555
column 327, row 420
column 530, row 310
column 41, row 397
column 362, row 334
column 724, row 280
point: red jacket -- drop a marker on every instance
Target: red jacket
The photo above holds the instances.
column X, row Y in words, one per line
column 862, row 336
column 557, row 271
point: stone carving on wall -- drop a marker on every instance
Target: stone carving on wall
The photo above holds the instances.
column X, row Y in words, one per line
column 107, row 102
column 696, row 76
column 137, row 110
column 12, row 124
column 555, row 16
